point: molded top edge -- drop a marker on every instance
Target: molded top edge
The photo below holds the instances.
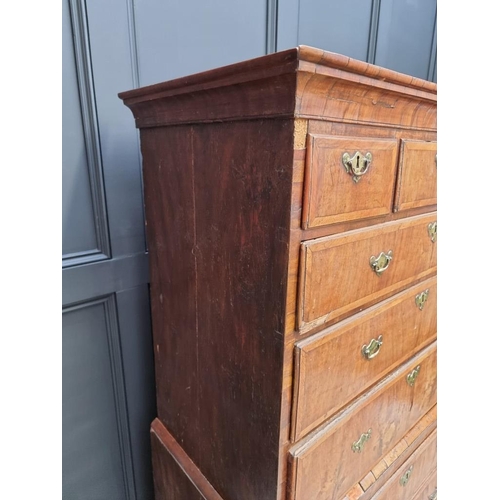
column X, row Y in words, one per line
column 287, row 61
column 338, row 61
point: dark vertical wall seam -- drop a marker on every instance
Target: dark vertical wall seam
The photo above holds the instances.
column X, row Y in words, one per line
column 272, row 26
column 372, row 38
column 136, row 80
column 298, row 24
column 118, row 375
column 432, row 58
column 134, row 54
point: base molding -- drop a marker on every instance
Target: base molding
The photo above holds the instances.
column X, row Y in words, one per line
column 176, row 477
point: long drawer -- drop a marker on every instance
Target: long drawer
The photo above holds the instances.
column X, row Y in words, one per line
column 412, row 475
column 428, row 491
column 334, row 366
column 344, row 273
column 327, row 463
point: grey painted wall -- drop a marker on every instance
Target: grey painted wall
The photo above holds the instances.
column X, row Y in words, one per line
column 108, row 47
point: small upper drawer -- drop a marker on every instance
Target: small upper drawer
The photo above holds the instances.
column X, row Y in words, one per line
column 328, row 462
column 343, row 273
column 417, row 175
column 334, row 366
column 347, row 178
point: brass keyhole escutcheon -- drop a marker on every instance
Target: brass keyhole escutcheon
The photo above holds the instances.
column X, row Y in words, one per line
column 421, row 299
column 373, row 348
column 412, row 376
column 432, row 229
column 406, row 477
column 381, row 263
column 357, row 446
column 357, row 165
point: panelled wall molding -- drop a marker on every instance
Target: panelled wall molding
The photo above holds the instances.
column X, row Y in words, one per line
column 272, row 26
column 431, row 74
column 134, row 54
column 109, row 317
column 90, row 124
column 93, row 280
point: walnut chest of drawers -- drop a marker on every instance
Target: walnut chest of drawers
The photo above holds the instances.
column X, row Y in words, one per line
column 291, row 219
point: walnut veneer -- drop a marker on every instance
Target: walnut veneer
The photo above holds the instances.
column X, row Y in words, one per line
column 291, row 219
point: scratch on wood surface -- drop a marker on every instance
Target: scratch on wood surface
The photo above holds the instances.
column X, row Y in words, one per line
column 383, row 104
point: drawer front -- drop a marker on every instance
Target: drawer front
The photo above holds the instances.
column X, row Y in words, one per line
column 333, row 367
column 347, row 178
column 413, row 474
column 326, row 464
column 429, row 489
column 344, row 273
column 417, row 175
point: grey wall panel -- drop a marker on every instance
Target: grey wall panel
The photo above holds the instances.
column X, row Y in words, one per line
column 137, row 355
column 96, row 448
column 80, row 283
column 83, row 227
column 288, row 24
column 405, row 36
column 176, row 38
column 340, row 26
column 112, row 47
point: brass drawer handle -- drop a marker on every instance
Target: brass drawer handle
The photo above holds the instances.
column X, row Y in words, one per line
column 412, row 376
column 421, row 299
column 381, row 263
column 373, row 348
column 357, row 446
column 434, row 495
column 403, row 481
column 356, row 165
column 432, row 229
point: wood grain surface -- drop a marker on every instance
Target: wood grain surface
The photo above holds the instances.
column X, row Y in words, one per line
column 331, row 195
column 417, row 175
column 336, row 276
column 176, row 476
column 324, row 464
column 330, row 369
column 217, row 206
column 258, row 241
column 419, row 466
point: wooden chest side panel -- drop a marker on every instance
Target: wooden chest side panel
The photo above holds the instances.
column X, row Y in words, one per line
column 219, row 269
column 169, row 205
